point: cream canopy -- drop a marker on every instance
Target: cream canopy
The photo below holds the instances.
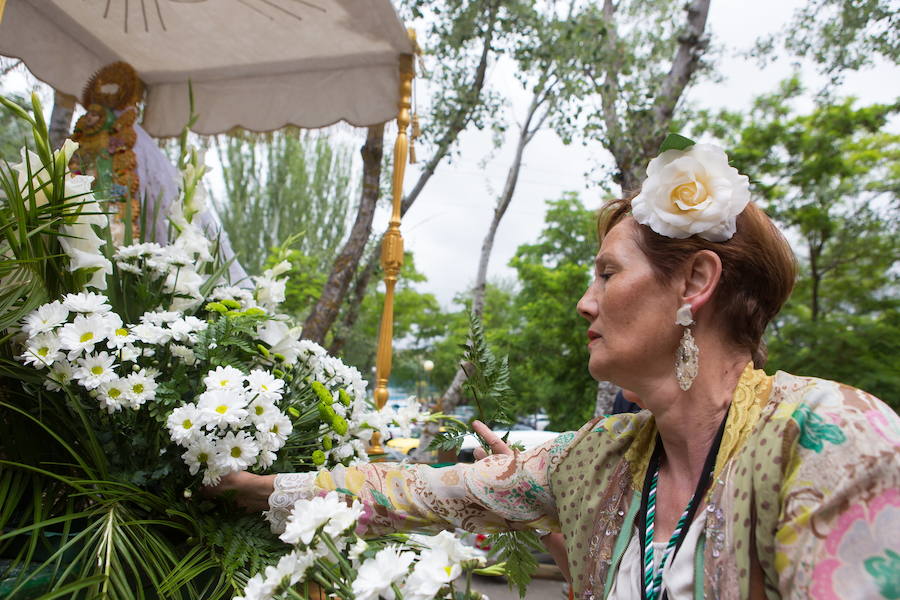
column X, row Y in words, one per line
column 257, row 64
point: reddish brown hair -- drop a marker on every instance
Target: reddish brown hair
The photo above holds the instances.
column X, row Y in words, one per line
column 758, row 269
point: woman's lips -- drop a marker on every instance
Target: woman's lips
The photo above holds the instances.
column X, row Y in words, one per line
column 592, row 337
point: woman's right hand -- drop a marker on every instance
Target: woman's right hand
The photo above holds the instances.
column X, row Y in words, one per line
column 250, row 492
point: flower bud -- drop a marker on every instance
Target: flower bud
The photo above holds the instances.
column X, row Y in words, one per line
column 318, row 457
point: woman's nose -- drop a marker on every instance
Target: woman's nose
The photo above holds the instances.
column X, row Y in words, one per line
column 587, row 306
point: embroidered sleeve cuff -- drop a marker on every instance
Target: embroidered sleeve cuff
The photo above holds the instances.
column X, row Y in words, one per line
column 289, row 487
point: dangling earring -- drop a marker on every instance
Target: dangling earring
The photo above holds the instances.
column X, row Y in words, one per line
column 687, row 358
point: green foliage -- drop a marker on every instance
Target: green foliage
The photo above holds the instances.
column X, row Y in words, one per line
column 283, row 184
column 487, row 377
column 517, row 549
column 839, row 35
column 831, row 178
column 547, row 350
column 14, row 131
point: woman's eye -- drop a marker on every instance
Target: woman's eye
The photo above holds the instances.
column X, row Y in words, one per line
column 605, row 276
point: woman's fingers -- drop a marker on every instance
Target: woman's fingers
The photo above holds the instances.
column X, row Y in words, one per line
column 493, row 441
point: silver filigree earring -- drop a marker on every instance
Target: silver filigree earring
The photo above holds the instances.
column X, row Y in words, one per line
column 687, row 358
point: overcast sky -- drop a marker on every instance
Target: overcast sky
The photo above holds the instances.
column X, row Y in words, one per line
column 446, row 225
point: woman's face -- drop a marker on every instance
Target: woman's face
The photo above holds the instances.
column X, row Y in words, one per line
column 631, row 315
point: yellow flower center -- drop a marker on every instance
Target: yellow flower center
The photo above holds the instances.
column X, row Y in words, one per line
column 264, row 388
column 97, row 370
column 203, row 457
column 223, row 383
column 236, row 451
column 121, row 332
column 447, row 570
column 138, row 388
column 187, row 424
column 260, row 410
column 274, row 429
column 44, row 351
column 687, row 195
column 86, row 337
column 222, row 409
column 114, row 392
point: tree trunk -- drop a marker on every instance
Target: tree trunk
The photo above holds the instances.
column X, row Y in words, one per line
column 61, row 118
column 328, row 306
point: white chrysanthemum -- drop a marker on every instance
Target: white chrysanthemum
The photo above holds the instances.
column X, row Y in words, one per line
column 432, row 571
column 357, row 549
column 291, row 567
column 160, row 317
column 83, row 334
column 145, row 250
column 129, row 353
column 184, row 330
column 140, row 387
column 330, row 511
column 87, row 302
column 692, row 192
column 212, row 475
column 223, row 408
column 151, row 334
column 242, row 295
column 95, row 369
column 187, row 355
column 266, row 457
column 258, row 588
column 42, row 350
column 264, row 385
column 224, row 378
column 236, row 451
column 201, row 451
column 112, row 394
column 45, row 318
column 448, row 543
column 61, row 373
column 184, row 423
column 376, row 575
column 129, row 268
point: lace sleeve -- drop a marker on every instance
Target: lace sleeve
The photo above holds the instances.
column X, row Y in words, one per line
column 289, row 487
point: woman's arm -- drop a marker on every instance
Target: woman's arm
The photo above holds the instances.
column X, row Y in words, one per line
column 498, row 493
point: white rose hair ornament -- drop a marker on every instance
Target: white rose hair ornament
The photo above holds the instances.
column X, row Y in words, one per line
column 691, row 190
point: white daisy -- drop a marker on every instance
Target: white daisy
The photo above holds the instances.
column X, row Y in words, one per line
column 184, row 424
column 144, row 250
column 61, row 373
column 129, row 353
column 277, row 430
column 201, row 450
column 140, row 387
column 265, row 458
column 128, row 267
column 221, row 408
column 83, row 334
column 375, row 575
column 235, row 451
column 95, row 369
column 45, row 318
column 264, row 385
column 212, row 475
column 112, row 394
column 224, row 378
column 160, row 317
column 86, row 302
column 244, row 296
column 291, row 567
column 42, row 350
column 262, row 412
column 120, row 337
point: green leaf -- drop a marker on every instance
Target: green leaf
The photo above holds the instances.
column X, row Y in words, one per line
column 676, row 141
column 382, row 499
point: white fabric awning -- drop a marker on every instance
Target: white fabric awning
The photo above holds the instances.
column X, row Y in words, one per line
column 257, row 64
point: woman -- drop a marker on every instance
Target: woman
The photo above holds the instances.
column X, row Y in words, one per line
column 731, row 483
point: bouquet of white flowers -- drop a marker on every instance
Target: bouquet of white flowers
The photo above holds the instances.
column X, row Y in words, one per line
column 133, row 373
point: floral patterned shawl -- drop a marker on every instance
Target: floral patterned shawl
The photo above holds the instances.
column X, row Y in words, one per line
column 806, row 486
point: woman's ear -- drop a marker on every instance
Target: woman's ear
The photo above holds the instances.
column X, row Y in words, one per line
column 701, row 277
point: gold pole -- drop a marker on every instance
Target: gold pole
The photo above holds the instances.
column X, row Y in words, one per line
column 2, row 8
column 392, row 244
